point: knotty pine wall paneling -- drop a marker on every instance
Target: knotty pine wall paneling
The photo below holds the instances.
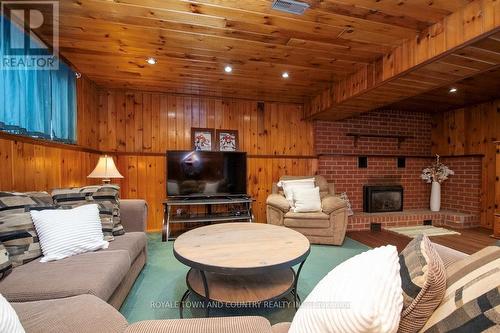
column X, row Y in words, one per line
column 496, row 226
column 30, row 166
column 87, row 114
column 472, row 130
column 139, row 127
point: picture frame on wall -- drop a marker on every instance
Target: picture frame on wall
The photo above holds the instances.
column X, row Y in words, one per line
column 202, row 138
column 227, row 140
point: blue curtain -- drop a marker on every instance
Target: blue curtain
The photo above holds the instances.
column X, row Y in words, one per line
column 38, row 103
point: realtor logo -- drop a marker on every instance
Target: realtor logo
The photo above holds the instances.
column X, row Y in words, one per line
column 22, row 23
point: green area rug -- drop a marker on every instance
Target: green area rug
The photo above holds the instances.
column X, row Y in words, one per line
column 159, row 287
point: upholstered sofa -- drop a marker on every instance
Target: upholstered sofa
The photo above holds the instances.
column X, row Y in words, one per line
column 107, row 274
column 88, row 313
column 325, row 227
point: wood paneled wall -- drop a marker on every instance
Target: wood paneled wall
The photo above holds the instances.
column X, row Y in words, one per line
column 496, row 226
column 138, row 127
column 472, row 130
column 29, row 166
column 150, row 122
column 87, row 114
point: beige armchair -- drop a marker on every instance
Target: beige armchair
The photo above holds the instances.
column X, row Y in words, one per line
column 325, row 227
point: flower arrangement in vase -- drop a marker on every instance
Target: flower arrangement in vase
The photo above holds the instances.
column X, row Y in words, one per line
column 436, row 174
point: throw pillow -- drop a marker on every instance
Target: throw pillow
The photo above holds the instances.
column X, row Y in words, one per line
column 363, row 294
column 471, row 301
column 9, row 321
column 306, row 200
column 423, row 277
column 106, row 196
column 5, row 263
column 67, row 232
column 17, row 232
column 289, row 185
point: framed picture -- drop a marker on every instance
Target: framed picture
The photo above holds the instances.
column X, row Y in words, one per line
column 202, row 138
column 227, row 140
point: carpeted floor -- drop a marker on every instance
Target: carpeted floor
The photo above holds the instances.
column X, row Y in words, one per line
column 160, row 286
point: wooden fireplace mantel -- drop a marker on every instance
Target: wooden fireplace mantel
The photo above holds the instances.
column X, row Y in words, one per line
column 400, row 138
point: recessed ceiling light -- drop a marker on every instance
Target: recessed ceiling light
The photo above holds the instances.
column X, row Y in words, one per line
column 78, row 75
column 285, row 75
column 228, row 69
column 151, row 61
column 453, row 90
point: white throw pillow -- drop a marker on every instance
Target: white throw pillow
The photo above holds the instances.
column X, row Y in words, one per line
column 306, row 200
column 289, row 185
column 66, row 232
column 361, row 295
column 9, row 321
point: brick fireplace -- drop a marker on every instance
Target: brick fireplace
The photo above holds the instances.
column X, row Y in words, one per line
column 399, row 148
column 382, row 198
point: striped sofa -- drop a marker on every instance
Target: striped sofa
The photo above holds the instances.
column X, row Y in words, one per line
column 107, row 274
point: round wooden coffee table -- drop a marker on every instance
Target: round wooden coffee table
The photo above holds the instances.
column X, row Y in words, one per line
column 241, row 263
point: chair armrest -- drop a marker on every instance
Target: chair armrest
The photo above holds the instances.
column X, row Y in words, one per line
column 278, row 201
column 133, row 214
column 331, row 203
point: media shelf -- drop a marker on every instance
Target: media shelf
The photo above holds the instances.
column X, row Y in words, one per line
column 215, row 210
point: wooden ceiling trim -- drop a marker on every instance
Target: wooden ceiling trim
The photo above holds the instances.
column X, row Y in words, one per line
column 202, row 90
column 479, row 18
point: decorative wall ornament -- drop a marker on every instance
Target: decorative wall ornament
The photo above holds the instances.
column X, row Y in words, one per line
column 202, row 138
column 227, row 140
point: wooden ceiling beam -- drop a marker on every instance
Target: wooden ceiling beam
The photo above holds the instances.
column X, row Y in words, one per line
column 426, row 54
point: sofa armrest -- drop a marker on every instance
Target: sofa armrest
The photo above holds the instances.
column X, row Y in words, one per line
column 278, row 201
column 133, row 214
column 203, row 325
column 331, row 203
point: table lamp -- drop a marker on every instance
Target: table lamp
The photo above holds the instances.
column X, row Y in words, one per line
column 105, row 169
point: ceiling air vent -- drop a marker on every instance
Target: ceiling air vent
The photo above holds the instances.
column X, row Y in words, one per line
column 290, row 6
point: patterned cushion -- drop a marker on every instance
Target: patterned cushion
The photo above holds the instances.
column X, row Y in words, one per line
column 472, row 300
column 5, row 263
column 106, row 196
column 423, row 278
column 17, row 232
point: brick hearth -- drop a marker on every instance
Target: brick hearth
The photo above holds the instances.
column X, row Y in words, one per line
column 410, row 217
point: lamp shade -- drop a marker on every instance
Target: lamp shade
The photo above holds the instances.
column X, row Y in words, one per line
column 105, row 168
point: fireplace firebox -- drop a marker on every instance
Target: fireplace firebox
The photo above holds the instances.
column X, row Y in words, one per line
column 382, row 198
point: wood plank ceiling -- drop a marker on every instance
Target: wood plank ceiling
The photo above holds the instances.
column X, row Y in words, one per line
column 109, row 41
column 469, row 91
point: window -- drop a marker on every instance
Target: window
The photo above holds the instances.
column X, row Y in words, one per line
column 38, row 103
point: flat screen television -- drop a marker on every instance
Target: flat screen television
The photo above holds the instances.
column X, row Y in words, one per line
column 206, row 174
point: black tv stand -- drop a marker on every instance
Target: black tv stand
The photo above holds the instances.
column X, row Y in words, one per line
column 209, row 215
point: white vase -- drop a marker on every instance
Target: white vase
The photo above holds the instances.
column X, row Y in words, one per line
column 435, row 197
